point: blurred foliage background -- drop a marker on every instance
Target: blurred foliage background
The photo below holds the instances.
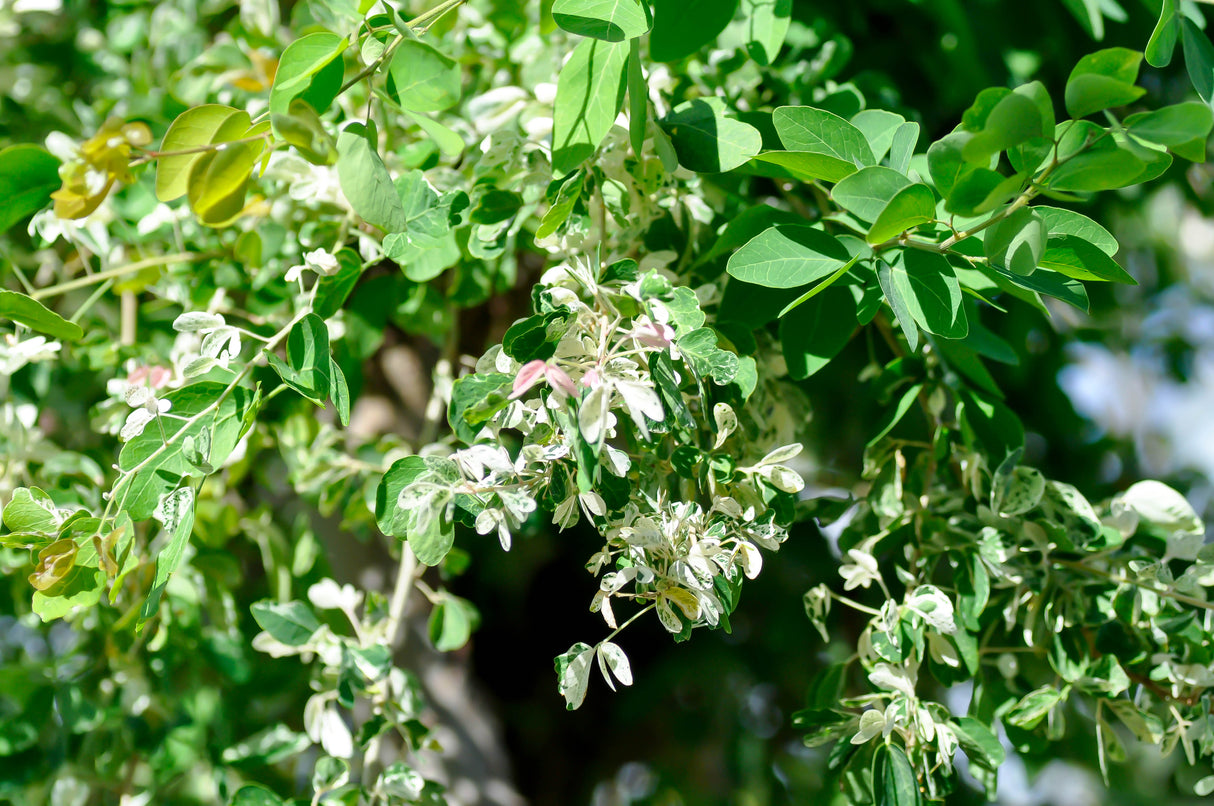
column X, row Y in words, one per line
column 1108, row 398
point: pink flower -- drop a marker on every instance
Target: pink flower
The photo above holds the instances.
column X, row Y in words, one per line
column 156, row 377
column 652, row 334
column 531, row 373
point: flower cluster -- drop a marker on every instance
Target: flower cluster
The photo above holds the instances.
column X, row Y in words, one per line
column 633, row 417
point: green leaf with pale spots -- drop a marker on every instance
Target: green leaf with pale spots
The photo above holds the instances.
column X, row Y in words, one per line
column 700, row 349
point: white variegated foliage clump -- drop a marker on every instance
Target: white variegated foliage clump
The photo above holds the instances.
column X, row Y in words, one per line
column 1061, row 598
column 634, row 419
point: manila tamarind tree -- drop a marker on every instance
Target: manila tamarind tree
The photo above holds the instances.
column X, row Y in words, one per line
column 382, row 380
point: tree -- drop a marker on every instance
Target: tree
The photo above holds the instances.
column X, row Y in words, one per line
column 631, row 245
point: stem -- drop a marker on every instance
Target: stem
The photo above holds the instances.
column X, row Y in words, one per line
column 633, row 618
column 1026, row 196
column 854, row 604
column 406, row 577
column 118, row 271
column 1179, row 597
column 400, row 594
column 430, row 16
column 149, row 156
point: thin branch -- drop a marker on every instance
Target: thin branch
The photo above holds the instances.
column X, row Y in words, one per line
column 118, row 271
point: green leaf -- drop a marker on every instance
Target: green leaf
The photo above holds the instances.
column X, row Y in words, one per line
column 895, row 415
column 898, row 303
column 661, row 368
column 1017, row 492
column 1013, row 120
column 1061, row 222
column 899, row 787
column 700, row 349
column 878, row 127
column 431, row 543
column 218, row 180
column 176, row 513
column 568, row 193
column 423, row 79
column 536, row 336
column 365, row 180
column 638, row 99
column 31, row 510
column 788, row 256
column 302, row 127
column 988, row 424
column 28, row 176
column 33, row 314
column 329, row 774
column 609, row 20
column 979, row 190
column 1103, row 80
column 476, row 398
column 1099, row 168
column 1017, row 241
column 945, row 161
column 1075, row 257
column 867, row 192
column 911, row 206
column 927, row 284
column 80, row 589
column 310, row 68
column 448, row 141
column 255, row 795
column 1045, row 281
column 814, row 290
column 706, row 140
column 817, row 331
column 808, row 166
column 450, row 623
column 333, row 290
column 816, row 131
column 681, row 28
column 291, row 623
column 200, row 126
column 495, row 206
column 1036, row 92
column 1199, row 59
column 979, row 743
column 1183, row 128
column 589, row 95
column 1145, row 726
column 140, row 492
column 902, row 147
column 1033, row 707
column 340, row 392
column 308, row 368
column 269, row 746
column 1163, row 38
column 767, row 23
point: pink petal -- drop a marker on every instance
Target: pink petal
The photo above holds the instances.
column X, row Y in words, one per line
column 527, row 377
column 558, row 379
